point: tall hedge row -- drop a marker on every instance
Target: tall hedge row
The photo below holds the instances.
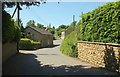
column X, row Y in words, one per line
column 102, row 24
column 99, row 25
column 10, row 29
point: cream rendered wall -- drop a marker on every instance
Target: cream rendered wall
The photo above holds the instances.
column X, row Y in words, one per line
column 8, row 50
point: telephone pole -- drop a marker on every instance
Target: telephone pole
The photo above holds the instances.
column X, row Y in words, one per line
column 18, row 18
column 73, row 18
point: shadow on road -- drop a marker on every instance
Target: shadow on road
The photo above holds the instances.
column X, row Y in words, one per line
column 27, row 64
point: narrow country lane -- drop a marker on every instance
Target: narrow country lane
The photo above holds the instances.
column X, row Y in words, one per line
column 49, row 61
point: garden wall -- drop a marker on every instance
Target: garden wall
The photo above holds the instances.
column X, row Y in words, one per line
column 8, row 50
column 104, row 55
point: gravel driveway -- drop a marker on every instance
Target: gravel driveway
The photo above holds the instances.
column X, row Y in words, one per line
column 49, row 61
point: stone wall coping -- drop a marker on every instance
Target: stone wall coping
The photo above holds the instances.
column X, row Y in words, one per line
column 100, row 43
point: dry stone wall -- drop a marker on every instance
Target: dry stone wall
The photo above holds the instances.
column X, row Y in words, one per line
column 104, row 55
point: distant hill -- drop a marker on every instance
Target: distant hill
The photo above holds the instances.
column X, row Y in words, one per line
column 99, row 25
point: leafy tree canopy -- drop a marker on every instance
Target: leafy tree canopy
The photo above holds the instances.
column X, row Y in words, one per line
column 12, row 4
column 31, row 23
column 40, row 25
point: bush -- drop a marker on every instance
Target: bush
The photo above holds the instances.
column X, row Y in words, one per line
column 10, row 30
column 69, row 44
column 26, row 43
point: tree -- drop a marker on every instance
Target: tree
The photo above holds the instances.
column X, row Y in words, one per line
column 40, row 25
column 31, row 23
column 51, row 31
column 12, row 4
column 22, row 29
column 62, row 26
column 73, row 23
column 10, row 30
column 20, row 22
column 60, row 29
column 53, row 27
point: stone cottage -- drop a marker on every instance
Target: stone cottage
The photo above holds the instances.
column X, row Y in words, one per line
column 41, row 35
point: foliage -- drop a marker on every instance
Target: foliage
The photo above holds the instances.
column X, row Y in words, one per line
column 62, row 26
column 51, row 30
column 40, row 25
column 102, row 24
column 20, row 21
column 26, row 43
column 31, row 23
column 10, row 30
column 10, row 4
column 60, row 29
column 58, row 33
column 73, row 23
column 22, row 29
column 22, row 33
column 17, row 33
column 68, row 45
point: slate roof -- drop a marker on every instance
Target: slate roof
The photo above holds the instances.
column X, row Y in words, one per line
column 42, row 31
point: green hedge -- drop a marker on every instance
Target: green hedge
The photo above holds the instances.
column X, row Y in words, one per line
column 26, row 43
column 10, row 30
column 100, row 25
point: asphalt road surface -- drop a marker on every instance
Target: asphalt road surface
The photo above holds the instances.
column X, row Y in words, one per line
column 49, row 61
